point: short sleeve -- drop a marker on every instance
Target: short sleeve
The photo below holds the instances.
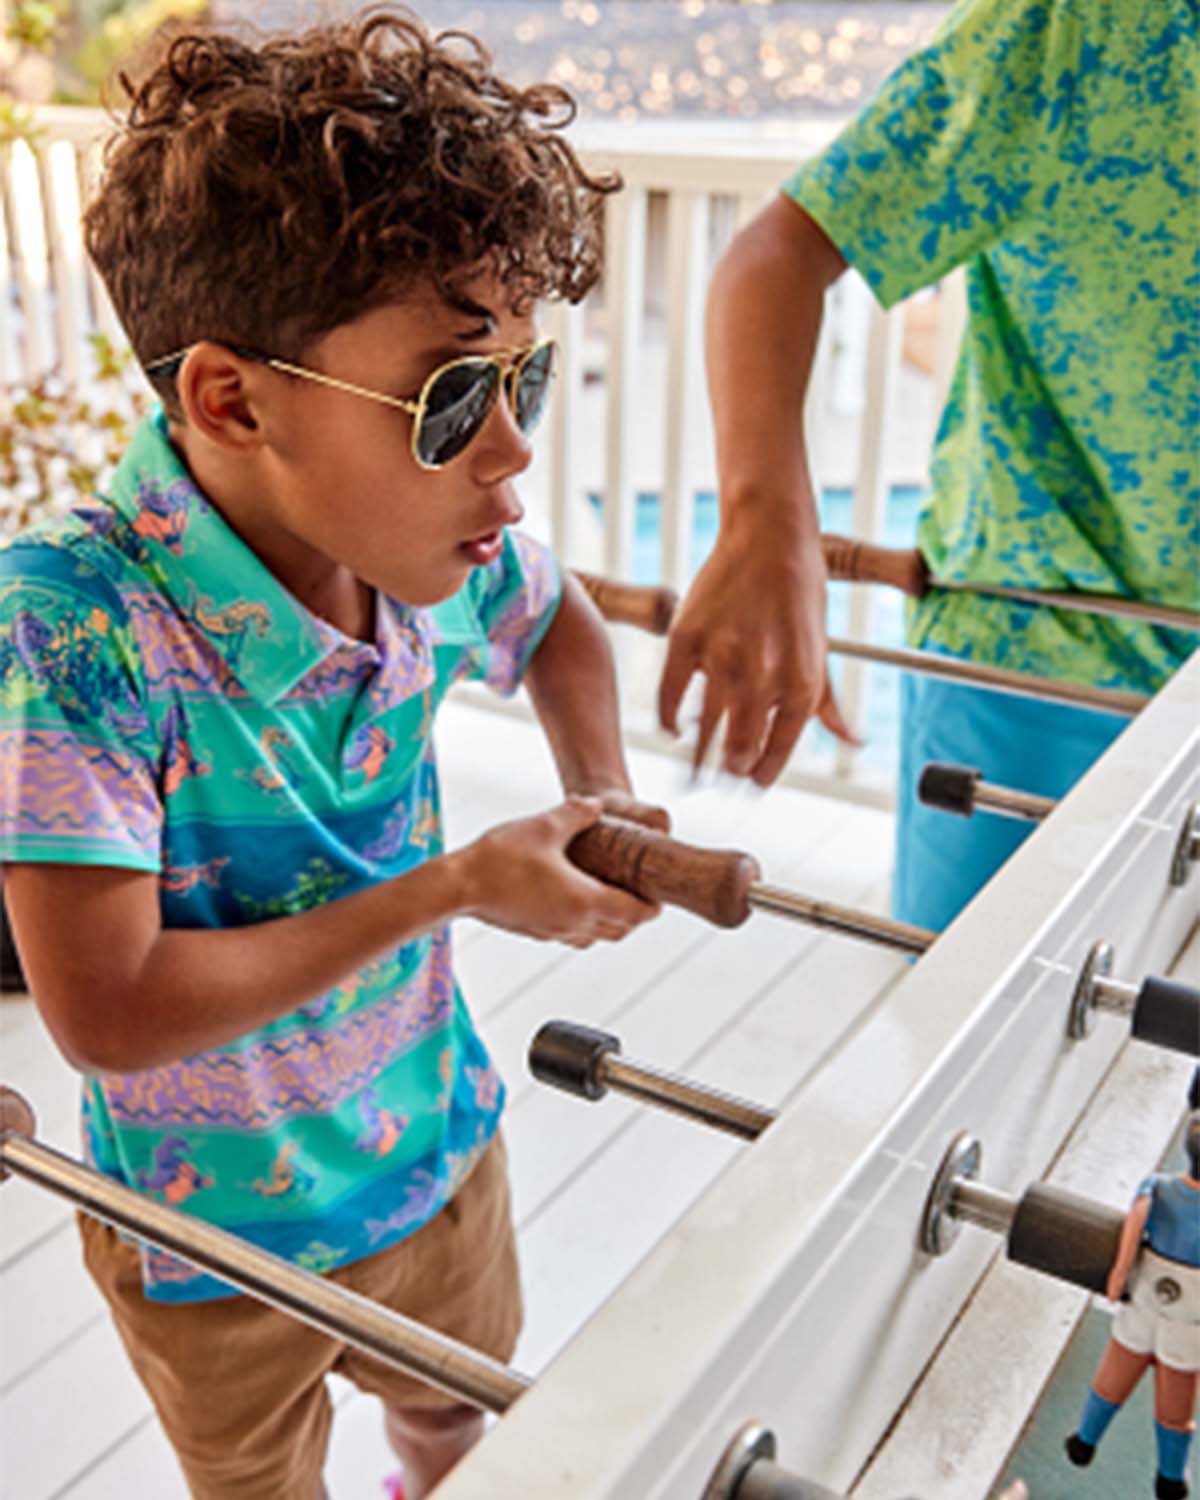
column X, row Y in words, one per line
column 1146, row 1188
column 78, row 766
column 515, row 600
column 963, row 141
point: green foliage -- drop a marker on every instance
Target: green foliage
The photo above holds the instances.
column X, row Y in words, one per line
column 122, row 34
column 16, row 123
column 80, row 44
column 34, row 25
column 59, row 444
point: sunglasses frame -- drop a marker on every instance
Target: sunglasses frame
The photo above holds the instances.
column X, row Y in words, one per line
column 509, row 363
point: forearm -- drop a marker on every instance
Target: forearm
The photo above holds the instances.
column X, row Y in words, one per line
column 573, row 686
column 166, row 995
column 763, row 322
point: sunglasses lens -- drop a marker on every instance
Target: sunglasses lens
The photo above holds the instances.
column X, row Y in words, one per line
column 533, row 387
column 456, row 407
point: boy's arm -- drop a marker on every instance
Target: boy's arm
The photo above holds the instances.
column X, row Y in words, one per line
column 120, row 994
column 573, row 686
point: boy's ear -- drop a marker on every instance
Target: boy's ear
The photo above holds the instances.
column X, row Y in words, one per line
column 216, row 391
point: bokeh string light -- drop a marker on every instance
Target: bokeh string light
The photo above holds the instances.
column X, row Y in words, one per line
column 628, row 60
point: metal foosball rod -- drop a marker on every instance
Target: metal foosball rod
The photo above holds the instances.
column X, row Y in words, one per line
column 1047, row 1229
column 904, row 568
column 429, row 1356
column 586, row 1062
column 723, row 886
column 961, row 790
column 652, row 609
column 395, row 1340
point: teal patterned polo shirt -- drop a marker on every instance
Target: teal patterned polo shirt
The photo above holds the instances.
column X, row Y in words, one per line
column 167, row 705
column 1051, row 147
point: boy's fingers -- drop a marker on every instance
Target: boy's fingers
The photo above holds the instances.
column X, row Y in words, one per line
column 575, row 814
column 615, row 905
column 625, row 805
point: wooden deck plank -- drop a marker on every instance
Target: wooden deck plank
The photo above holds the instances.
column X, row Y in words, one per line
column 71, row 1409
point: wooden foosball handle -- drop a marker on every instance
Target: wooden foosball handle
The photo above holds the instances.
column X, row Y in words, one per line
column 649, row 608
column 653, row 608
column 712, row 883
column 853, row 561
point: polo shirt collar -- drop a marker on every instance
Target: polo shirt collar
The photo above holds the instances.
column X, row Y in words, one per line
column 269, row 640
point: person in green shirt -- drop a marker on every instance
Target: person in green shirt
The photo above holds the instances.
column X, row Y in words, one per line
column 1049, row 146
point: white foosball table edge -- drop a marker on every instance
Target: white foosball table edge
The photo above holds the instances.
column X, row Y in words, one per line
column 794, row 1290
column 966, row 1416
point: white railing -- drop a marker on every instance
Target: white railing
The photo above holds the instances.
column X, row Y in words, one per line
column 630, row 414
column 51, row 299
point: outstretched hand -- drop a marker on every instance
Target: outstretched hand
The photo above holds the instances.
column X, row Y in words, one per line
column 753, row 624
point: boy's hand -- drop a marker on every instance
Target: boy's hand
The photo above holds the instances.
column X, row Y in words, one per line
column 518, row 877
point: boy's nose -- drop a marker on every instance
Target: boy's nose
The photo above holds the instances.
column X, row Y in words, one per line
column 502, row 450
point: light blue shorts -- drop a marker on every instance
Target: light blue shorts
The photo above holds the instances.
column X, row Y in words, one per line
column 1024, row 743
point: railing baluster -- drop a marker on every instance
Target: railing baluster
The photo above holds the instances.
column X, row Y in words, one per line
column 748, row 205
column 687, row 257
column 567, row 497
column 32, row 265
column 60, row 187
column 106, row 318
column 11, row 368
column 870, row 503
column 624, row 291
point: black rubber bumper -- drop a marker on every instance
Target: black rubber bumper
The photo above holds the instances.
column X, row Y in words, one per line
column 568, row 1057
column 1071, row 1238
column 949, row 788
column 1167, row 1014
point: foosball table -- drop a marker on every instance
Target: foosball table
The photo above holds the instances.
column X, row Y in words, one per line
column 768, row 1344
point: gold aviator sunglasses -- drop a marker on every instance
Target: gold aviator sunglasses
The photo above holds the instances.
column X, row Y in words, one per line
column 454, row 403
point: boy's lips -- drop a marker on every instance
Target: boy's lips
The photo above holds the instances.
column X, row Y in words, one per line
column 483, row 549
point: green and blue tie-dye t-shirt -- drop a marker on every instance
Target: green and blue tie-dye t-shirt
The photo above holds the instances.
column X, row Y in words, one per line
column 1053, row 148
column 167, row 705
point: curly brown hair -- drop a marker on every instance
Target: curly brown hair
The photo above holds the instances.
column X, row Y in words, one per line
column 264, row 192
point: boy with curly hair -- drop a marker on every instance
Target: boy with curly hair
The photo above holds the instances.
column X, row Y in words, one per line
column 217, row 685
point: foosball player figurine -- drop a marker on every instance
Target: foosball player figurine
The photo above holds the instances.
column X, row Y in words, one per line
column 1159, row 1257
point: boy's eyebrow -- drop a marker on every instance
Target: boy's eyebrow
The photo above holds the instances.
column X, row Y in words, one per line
column 482, row 330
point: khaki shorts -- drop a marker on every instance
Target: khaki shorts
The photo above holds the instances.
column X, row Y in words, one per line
column 240, row 1387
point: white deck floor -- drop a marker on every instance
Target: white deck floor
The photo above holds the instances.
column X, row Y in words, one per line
column 751, row 1011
